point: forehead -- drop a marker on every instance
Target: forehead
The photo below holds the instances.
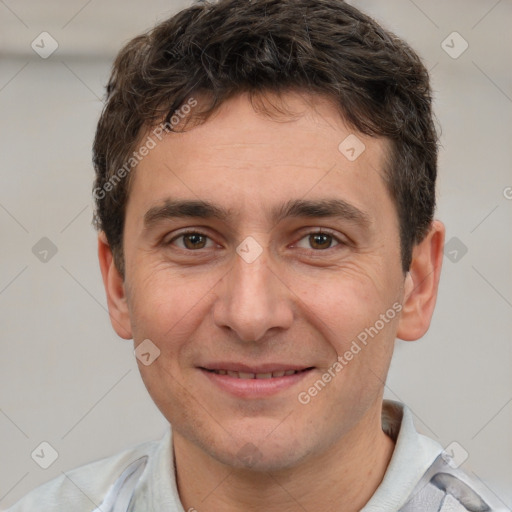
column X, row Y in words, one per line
column 245, row 159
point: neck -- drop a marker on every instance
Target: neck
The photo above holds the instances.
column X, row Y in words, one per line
column 347, row 475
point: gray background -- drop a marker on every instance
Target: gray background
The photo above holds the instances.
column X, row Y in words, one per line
column 68, row 380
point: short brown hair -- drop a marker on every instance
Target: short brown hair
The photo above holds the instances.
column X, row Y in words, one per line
column 224, row 48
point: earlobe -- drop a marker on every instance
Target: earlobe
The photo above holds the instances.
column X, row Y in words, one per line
column 115, row 289
column 421, row 284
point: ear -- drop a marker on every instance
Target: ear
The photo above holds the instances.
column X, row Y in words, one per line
column 421, row 284
column 114, row 287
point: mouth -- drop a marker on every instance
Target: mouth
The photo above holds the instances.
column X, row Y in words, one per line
column 254, row 375
column 244, row 381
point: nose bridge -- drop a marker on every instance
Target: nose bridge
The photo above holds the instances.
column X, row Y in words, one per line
column 252, row 300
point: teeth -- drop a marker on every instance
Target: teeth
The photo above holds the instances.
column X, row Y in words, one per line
column 248, row 375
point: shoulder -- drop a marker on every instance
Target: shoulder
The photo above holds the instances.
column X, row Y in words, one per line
column 84, row 488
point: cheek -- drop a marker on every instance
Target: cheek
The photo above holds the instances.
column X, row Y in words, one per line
column 344, row 302
column 166, row 306
column 167, row 309
column 357, row 316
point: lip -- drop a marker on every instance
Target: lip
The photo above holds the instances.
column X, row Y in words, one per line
column 253, row 368
column 254, row 387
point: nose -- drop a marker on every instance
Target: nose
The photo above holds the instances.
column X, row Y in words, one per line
column 252, row 300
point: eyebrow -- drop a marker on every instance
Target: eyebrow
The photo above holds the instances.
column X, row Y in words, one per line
column 337, row 208
column 184, row 208
column 298, row 208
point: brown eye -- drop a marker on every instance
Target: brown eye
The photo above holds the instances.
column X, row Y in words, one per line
column 320, row 241
column 192, row 241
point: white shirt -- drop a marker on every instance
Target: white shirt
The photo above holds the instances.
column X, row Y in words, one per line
column 142, row 478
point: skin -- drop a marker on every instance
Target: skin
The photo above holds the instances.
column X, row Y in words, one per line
column 300, row 302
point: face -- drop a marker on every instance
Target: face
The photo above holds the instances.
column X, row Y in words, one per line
column 265, row 266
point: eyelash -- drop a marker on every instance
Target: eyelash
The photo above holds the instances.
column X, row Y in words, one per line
column 317, row 232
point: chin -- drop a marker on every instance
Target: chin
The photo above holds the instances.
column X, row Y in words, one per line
column 256, row 460
column 257, row 454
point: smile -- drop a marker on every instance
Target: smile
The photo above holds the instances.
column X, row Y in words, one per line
column 256, row 384
column 248, row 375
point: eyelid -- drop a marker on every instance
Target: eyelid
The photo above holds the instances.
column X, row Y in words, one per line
column 188, row 231
column 341, row 240
column 323, row 231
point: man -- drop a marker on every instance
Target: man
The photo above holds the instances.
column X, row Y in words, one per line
column 265, row 195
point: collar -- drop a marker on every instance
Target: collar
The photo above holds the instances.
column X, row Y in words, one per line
column 414, row 453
